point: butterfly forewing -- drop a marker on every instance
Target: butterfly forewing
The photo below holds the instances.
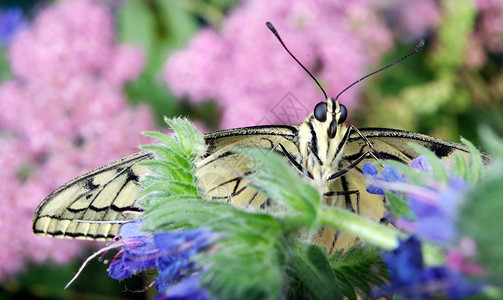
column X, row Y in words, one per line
column 223, row 172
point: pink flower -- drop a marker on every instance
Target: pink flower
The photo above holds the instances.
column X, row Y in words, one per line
column 64, row 114
column 249, row 74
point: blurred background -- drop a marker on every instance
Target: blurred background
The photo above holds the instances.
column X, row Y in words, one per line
column 80, row 80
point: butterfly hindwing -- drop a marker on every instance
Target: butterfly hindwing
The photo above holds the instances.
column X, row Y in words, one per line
column 93, row 205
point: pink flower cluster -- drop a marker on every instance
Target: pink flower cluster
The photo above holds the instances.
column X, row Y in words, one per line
column 255, row 81
column 64, row 113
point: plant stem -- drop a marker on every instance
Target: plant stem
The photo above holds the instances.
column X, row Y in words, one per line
column 372, row 232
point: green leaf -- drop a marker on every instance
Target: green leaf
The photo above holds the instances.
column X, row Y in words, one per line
column 476, row 165
column 461, row 167
column 5, row 72
column 480, row 216
column 136, row 24
column 179, row 24
column 312, row 270
column 276, row 179
column 397, row 206
column 359, row 268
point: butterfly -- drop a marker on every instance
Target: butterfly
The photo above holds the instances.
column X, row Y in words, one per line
column 323, row 149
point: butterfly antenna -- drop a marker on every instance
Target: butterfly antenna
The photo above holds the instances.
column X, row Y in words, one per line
column 271, row 27
column 418, row 47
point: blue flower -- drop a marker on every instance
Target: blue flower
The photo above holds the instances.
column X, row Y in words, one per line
column 170, row 252
column 139, row 252
column 388, row 174
column 433, row 206
column 421, row 163
column 186, row 289
column 178, row 248
column 410, row 279
column 11, row 21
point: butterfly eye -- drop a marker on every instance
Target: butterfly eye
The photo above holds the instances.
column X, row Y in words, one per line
column 320, row 111
column 344, row 114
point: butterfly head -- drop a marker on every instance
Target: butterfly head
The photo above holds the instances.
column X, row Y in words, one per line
column 331, row 113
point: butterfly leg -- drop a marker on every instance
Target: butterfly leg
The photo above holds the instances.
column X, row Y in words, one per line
column 344, row 170
column 366, row 140
column 294, row 162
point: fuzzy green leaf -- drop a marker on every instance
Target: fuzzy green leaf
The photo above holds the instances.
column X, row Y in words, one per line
column 397, row 206
column 276, row 179
column 359, row 268
column 476, row 165
column 314, row 274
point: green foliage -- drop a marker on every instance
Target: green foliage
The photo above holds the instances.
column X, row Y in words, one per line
column 275, row 179
column 440, row 91
column 480, row 217
column 359, row 267
column 397, row 205
column 257, row 255
column 159, row 28
column 312, row 275
column 459, row 18
column 5, row 72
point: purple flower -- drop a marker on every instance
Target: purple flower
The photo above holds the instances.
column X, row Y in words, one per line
column 421, row 163
column 170, row 252
column 11, row 21
column 410, row 279
column 434, row 206
column 139, row 253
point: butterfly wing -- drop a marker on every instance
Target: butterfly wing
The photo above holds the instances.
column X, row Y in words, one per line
column 222, row 172
column 93, row 206
column 388, row 142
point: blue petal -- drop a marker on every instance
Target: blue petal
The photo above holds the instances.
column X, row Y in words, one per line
column 421, row 209
column 132, row 229
column 391, row 174
column 125, row 267
column 405, row 261
column 421, row 163
column 145, row 247
column 369, row 169
column 170, row 241
column 437, row 229
column 372, row 189
column 172, row 269
column 188, row 289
